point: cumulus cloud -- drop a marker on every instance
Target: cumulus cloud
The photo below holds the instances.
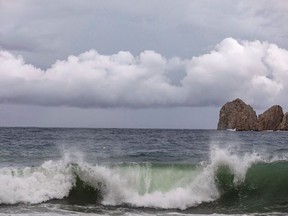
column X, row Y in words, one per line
column 253, row 70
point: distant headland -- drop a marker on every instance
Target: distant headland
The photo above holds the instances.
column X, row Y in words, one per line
column 237, row 115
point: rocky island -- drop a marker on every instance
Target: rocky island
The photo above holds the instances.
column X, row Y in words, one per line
column 240, row 116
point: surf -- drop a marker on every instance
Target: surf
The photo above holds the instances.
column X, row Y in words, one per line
column 227, row 181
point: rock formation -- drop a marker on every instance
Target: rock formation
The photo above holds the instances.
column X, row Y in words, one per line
column 270, row 119
column 237, row 115
column 240, row 116
column 284, row 124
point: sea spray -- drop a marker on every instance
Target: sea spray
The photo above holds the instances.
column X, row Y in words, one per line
column 202, row 188
column 227, row 176
column 52, row 180
column 170, row 186
column 238, row 164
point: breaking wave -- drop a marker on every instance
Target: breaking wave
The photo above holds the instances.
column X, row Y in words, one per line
column 226, row 180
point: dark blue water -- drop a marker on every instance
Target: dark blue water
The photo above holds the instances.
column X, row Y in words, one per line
column 139, row 171
column 31, row 145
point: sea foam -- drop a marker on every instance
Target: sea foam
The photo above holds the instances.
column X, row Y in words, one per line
column 178, row 186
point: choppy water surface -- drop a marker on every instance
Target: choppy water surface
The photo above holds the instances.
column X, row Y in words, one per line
column 52, row 171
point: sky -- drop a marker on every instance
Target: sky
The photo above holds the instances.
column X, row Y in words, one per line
column 150, row 64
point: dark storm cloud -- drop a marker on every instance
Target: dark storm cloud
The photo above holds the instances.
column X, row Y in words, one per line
column 51, row 30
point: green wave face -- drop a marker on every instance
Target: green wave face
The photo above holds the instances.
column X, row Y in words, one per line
column 149, row 178
column 82, row 193
column 215, row 187
column 265, row 188
column 91, row 188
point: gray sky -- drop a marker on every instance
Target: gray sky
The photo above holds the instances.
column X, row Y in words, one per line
column 150, row 64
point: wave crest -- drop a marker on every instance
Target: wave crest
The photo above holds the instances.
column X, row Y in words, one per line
column 228, row 180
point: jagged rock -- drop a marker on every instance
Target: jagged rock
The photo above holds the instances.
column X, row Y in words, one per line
column 240, row 116
column 237, row 115
column 270, row 119
column 284, row 123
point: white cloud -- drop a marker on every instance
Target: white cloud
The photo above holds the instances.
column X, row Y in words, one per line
column 233, row 70
column 253, row 70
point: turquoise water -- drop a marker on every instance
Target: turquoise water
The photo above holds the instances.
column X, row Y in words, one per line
column 54, row 171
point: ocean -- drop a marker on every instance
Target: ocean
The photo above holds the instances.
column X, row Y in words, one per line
column 74, row 171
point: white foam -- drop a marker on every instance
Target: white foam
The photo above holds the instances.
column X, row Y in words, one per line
column 134, row 186
column 143, row 186
column 238, row 164
column 52, row 180
column 200, row 189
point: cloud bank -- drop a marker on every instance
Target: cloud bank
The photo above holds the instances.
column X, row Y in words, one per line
column 253, row 70
column 38, row 29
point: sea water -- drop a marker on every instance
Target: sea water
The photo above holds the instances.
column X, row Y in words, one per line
column 58, row 171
